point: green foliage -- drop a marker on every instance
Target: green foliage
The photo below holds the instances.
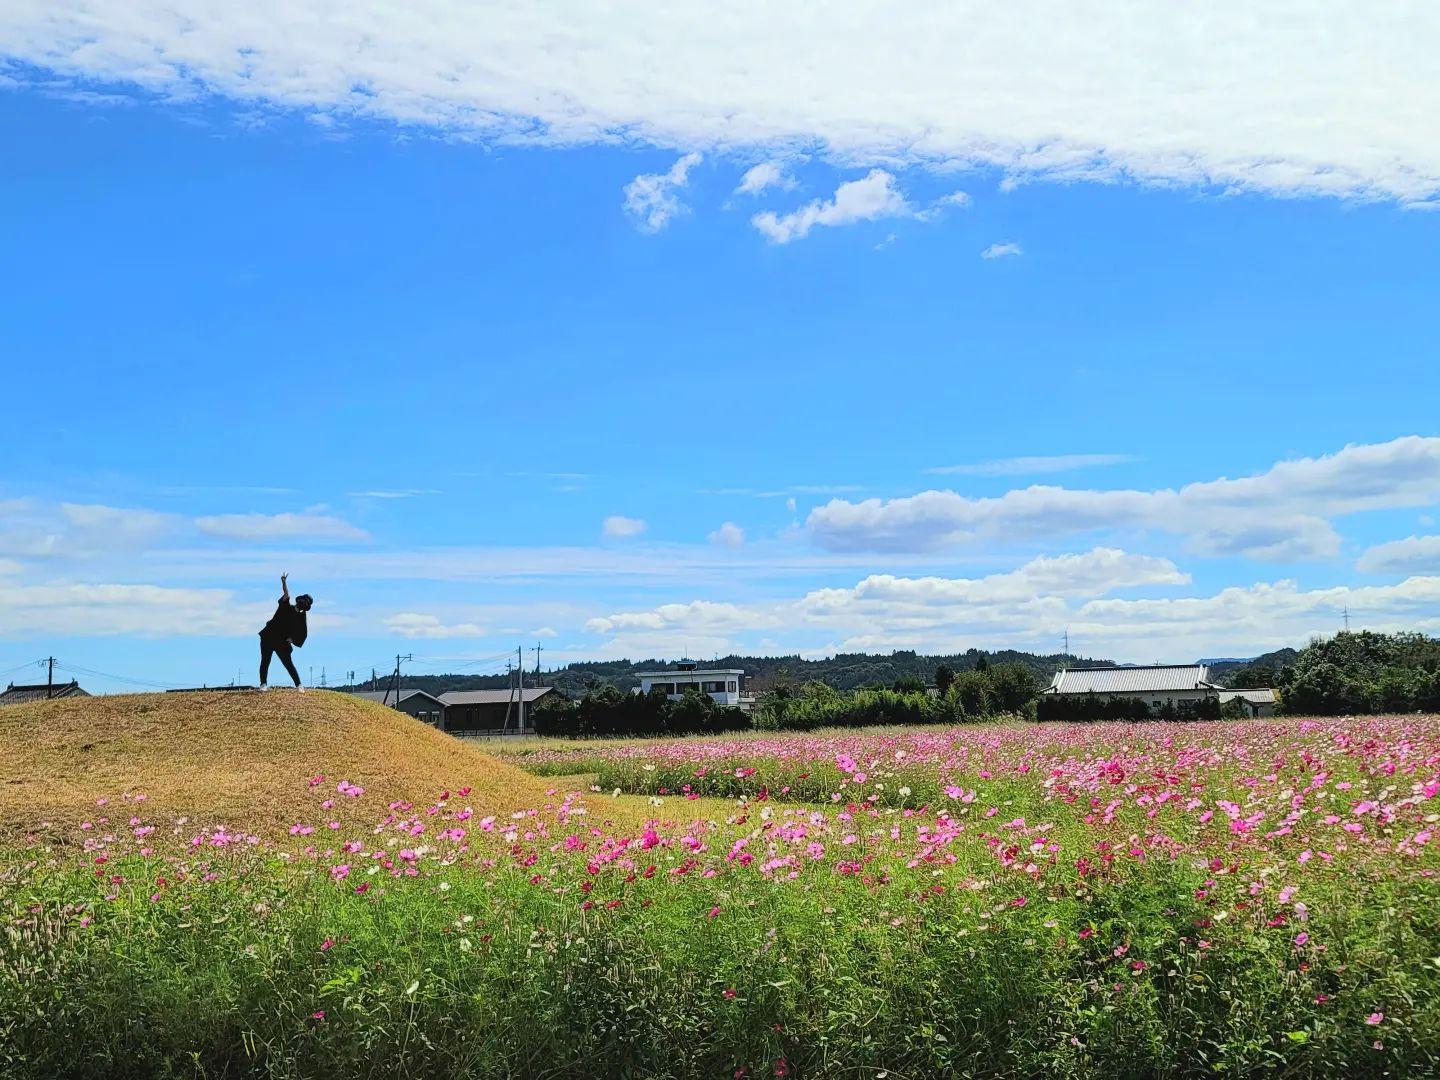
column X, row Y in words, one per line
column 944, row 676
column 974, row 694
column 1262, row 672
column 1363, row 672
column 845, row 671
column 608, row 711
column 1087, row 708
column 860, row 708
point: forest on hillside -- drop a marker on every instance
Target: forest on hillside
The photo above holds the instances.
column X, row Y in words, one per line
column 845, row 671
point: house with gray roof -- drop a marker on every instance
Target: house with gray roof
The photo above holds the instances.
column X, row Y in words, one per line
column 417, row 703
column 1162, row 689
column 17, row 694
column 491, row 711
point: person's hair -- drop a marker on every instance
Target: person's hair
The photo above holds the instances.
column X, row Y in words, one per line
column 304, row 601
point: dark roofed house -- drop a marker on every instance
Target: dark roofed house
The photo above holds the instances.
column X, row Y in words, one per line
column 417, row 703
column 476, row 711
column 18, row 695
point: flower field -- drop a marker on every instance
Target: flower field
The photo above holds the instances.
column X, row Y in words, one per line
column 1117, row 900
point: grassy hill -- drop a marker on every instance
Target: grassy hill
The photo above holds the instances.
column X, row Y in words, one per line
column 239, row 759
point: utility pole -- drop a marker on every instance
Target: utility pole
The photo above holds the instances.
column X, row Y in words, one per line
column 1067, row 641
column 505, row 724
column 520, row 685
column 537, row 663
column 1346, row 613
column 322, row 675
column 398, row 660
column 50, row 678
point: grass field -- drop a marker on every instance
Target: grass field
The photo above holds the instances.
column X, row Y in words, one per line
column 1146, row 900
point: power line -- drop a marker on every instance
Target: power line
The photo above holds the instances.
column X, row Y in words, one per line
column 76, row 669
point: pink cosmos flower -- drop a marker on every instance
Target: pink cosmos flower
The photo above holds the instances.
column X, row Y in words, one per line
column 1375, row 1018
column 714, row 911
column 1301, row 938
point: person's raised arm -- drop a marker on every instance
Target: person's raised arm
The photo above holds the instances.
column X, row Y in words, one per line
column 285, row 586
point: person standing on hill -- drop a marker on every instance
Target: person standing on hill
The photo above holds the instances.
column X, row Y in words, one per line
column 285, row 630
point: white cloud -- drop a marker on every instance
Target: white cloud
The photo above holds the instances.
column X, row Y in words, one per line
column 728, row 535
column 620, row 527
column 763, row 177
column 1336, row 103
column 651, row 199
column 1414, row 554
column 31, row 529
column 1279, row 514
column 696, row 615
column 1268, row 614
column 867, row 199
column 888, row 600
column 403, row 493
column 1027, row 608
column 413, row 624
column 103, row 610
column 543, row 632
column 1002, row 251
column 264, row 527
column 1031, row 466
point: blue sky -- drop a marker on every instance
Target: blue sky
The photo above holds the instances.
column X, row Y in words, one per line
column 557, row 376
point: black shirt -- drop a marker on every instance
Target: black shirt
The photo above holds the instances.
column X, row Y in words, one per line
column 287, row 624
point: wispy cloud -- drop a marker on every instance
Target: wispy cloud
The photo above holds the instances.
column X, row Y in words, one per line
column 1281, row 514
column 1031, row 466
column 267, row 527
column 728, row 535
column 404, row 493
column 620, row 527
column 417, row 625
column 1006, row 250
column 766, row 176
column 652, row 199
column 872, row 197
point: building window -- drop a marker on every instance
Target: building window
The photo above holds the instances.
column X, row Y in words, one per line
column 662, row 688
column 732, row 687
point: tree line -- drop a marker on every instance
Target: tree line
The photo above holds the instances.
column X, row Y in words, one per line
column 1362, row 672
column 979, row 693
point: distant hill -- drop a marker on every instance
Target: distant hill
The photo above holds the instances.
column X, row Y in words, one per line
column 846, row 671
column 1261, row 671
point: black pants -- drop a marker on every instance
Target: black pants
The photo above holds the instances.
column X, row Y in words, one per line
column 280, row 649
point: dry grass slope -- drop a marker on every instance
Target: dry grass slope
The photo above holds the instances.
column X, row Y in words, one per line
column 238, row 759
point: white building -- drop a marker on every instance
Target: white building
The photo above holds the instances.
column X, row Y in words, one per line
column 1257, row 702
column 722, row 684
column 1156, row 686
